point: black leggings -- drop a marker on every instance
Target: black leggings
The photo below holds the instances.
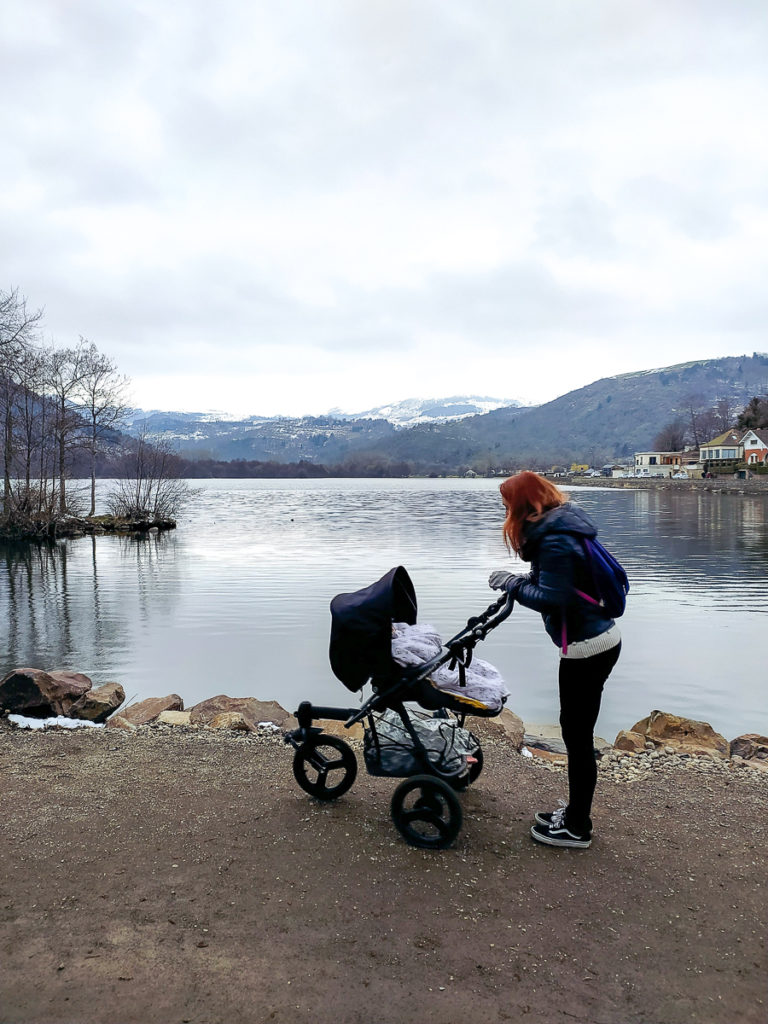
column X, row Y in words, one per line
column 581, row 688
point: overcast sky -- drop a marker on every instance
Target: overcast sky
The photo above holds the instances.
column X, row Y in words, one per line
column 282, row 206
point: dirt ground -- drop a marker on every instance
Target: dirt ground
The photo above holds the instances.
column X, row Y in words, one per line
column 184, row 877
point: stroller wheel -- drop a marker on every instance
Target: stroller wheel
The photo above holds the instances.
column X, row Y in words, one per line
column 325, row 767
column 426, row 812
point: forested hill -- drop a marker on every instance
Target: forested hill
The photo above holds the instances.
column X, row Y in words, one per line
column 605, row 421
column 609, row 419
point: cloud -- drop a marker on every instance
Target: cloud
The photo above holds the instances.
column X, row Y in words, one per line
column 305, row 201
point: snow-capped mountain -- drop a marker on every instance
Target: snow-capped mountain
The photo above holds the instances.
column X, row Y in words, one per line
column 412, row 411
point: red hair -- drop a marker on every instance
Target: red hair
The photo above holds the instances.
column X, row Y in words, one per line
column 526, row 496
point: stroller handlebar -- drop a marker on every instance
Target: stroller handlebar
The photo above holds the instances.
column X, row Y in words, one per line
column 476, row 629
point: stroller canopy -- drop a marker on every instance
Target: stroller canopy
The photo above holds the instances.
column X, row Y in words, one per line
column 361, row 627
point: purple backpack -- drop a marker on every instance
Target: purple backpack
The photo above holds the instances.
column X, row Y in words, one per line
column 610, row 585
column 609, row 580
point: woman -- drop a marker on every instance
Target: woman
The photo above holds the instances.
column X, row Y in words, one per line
column 543, row 528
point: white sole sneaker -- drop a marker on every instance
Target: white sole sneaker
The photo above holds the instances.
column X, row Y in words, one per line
column 559, row 837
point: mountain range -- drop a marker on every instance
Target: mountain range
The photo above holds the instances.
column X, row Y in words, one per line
column 413, row 411
column 607, row 420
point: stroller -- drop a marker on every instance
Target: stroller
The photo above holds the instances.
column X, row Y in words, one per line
column 433, row 752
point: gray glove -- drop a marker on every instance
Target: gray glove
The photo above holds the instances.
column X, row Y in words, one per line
column 501, row 580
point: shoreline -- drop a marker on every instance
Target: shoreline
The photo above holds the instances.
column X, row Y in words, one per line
column 724, row 485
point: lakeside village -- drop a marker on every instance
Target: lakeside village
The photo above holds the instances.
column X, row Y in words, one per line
column 740, row 454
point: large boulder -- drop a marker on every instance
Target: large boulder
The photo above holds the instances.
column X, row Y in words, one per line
column 98, row 704
column 507, row 726
column 173, row 718
column 148, row 710
column 120, row 723
column 354, row 732
column 633, row 742
column 750, row 746
column 39, row 694
column 252, row 710
column 235, row 721
column 684, row 735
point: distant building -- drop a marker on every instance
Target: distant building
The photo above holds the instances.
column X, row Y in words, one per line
column 722, row 452
column 658, row 463
column 754, row 445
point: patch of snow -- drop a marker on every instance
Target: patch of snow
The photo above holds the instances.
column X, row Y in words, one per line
column 47, row 723
column 412, row 411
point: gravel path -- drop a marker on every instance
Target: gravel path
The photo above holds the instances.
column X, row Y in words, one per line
column 183, row 876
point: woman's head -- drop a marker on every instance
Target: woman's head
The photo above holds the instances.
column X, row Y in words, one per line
column 526, row 496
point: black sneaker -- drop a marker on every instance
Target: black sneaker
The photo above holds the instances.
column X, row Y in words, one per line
column 559, row 835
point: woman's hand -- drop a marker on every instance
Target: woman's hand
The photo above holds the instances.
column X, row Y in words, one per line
column 501, row 580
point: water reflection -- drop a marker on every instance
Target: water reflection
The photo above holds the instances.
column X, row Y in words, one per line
column 236, row 600
column 79, row 603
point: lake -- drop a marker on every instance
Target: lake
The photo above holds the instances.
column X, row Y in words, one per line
column 236, row 599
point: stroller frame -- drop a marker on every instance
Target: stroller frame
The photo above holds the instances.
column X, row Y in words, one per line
column 424, row 808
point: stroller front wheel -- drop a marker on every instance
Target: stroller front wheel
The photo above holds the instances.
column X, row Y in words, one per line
column 426, row 812
column 325, row 766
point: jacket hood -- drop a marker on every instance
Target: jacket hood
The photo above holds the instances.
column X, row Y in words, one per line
column 565, row 518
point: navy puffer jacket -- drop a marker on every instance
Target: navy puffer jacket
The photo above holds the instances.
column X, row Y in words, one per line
column 558, row 569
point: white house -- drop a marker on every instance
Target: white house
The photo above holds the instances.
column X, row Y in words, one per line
column 657, row 463
column 755, row 447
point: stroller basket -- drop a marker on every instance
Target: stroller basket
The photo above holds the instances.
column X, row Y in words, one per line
column 389, row 751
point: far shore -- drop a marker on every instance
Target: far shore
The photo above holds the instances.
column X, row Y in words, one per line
column 757, row 485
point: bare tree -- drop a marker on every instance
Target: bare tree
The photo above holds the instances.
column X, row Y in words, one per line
column 151, row 488
column 702, row 420
column 672, row 436
column 101, row 391
column 66, row 370
column 724, row 414
column 18, row 331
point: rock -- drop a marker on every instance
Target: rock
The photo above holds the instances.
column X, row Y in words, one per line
column 254, row 711
column 233, row 720
column 549, row 756
column 550, row 738
column 355, row 732
column 148, row 710
column 552, row 744
column 39, row 694
column 513, row 727
column 98, row 704
column 118, row 722
column 173, row 718
column 684, row 735
column 507, row 726
column 750, row 746
column 633, row 742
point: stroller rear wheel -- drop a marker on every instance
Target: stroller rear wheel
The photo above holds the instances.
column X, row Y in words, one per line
column 426, row 812
column 325, row 766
